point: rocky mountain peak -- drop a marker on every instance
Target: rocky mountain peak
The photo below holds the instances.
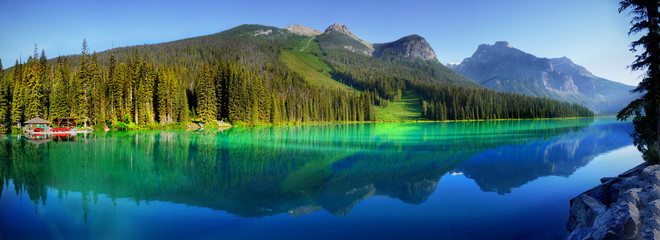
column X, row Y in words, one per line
column 502, row 44
column 505, row 68
column 302, row 30
column 413, row 46
column 340, row 28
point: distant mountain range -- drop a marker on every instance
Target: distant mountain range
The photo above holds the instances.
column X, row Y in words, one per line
column 505, row 68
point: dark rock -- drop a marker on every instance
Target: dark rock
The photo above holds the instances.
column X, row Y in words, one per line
column 581, row 234
column 584, row 209
column 626, row 207
column 606, row 179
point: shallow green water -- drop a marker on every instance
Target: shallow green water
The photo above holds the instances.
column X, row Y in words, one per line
column 469, row 180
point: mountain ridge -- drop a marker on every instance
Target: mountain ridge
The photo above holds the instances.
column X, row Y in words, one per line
column 302, row 30
column 505, row 68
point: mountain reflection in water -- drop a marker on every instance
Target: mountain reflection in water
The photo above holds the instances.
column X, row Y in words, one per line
column 259, row 172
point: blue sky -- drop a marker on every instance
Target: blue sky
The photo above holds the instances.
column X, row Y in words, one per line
column 590, row 32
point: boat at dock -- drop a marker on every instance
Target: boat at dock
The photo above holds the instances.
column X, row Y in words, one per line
column 38, row 125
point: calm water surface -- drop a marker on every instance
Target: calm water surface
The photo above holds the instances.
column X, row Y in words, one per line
column 465, row 180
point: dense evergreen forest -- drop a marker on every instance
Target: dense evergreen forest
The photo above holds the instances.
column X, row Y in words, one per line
column 239, row 78
column 135, row 90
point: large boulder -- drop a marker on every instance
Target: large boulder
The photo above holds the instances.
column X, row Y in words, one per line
column 625, row 207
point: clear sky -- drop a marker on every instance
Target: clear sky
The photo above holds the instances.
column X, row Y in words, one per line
column 590, row 32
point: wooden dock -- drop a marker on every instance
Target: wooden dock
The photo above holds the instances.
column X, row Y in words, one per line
column 58, row 132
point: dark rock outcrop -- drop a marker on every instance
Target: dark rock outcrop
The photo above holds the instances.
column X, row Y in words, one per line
column 625, row 207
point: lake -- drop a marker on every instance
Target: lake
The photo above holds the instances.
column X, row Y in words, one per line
column 457, row 180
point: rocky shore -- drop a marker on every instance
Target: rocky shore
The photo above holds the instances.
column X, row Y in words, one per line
column 622, row 207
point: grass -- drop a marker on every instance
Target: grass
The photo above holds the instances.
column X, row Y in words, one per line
column 406, row 109
column 303, row 61
column 312, row 68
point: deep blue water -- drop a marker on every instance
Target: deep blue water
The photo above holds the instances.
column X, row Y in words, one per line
column 463, row 180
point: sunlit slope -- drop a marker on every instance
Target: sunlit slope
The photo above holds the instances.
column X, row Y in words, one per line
column 408, row 108
column 304, row 60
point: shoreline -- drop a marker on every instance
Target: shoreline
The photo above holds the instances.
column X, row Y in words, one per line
column 186, row 126
column 623, row 207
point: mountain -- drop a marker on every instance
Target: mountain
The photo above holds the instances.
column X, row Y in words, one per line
column 302, row 30
column 399, row 56
column 413, row 46
column 337, row 36
column 255, row 74
column 504, row 68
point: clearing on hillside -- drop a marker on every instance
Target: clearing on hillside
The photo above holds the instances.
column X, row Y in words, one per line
column 406, row 109
column 312, row 68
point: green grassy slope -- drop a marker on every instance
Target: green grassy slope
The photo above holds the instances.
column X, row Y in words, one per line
column 309, row 66
column 406, row 109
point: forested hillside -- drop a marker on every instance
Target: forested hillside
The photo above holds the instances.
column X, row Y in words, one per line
column 238, row 76
column 446, row 95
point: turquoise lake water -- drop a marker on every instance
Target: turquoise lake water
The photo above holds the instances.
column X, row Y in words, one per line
column 459, row 180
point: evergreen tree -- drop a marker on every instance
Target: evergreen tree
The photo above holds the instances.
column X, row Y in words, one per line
column 166, row 96
column 275, row 109
column 235, row 95
column 33, row 88
column 113, row 88
column 59, row 103
column 83, row 85
column 96, row 93
column 646, row 110
column 206, row 98
column 5, row 96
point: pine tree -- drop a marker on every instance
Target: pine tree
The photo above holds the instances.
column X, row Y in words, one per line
column 166, row 96
column 59, row 103
column 183, row 108
column 118, row 88
column 33, row 88
column 206, row 98
column 274, row 110
column 220, row 82
column 234, row 95
column 5, row 97
column 46, row 74
column 83, row 85
column 646, row 110
column 112, row 87
column 97, row 96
